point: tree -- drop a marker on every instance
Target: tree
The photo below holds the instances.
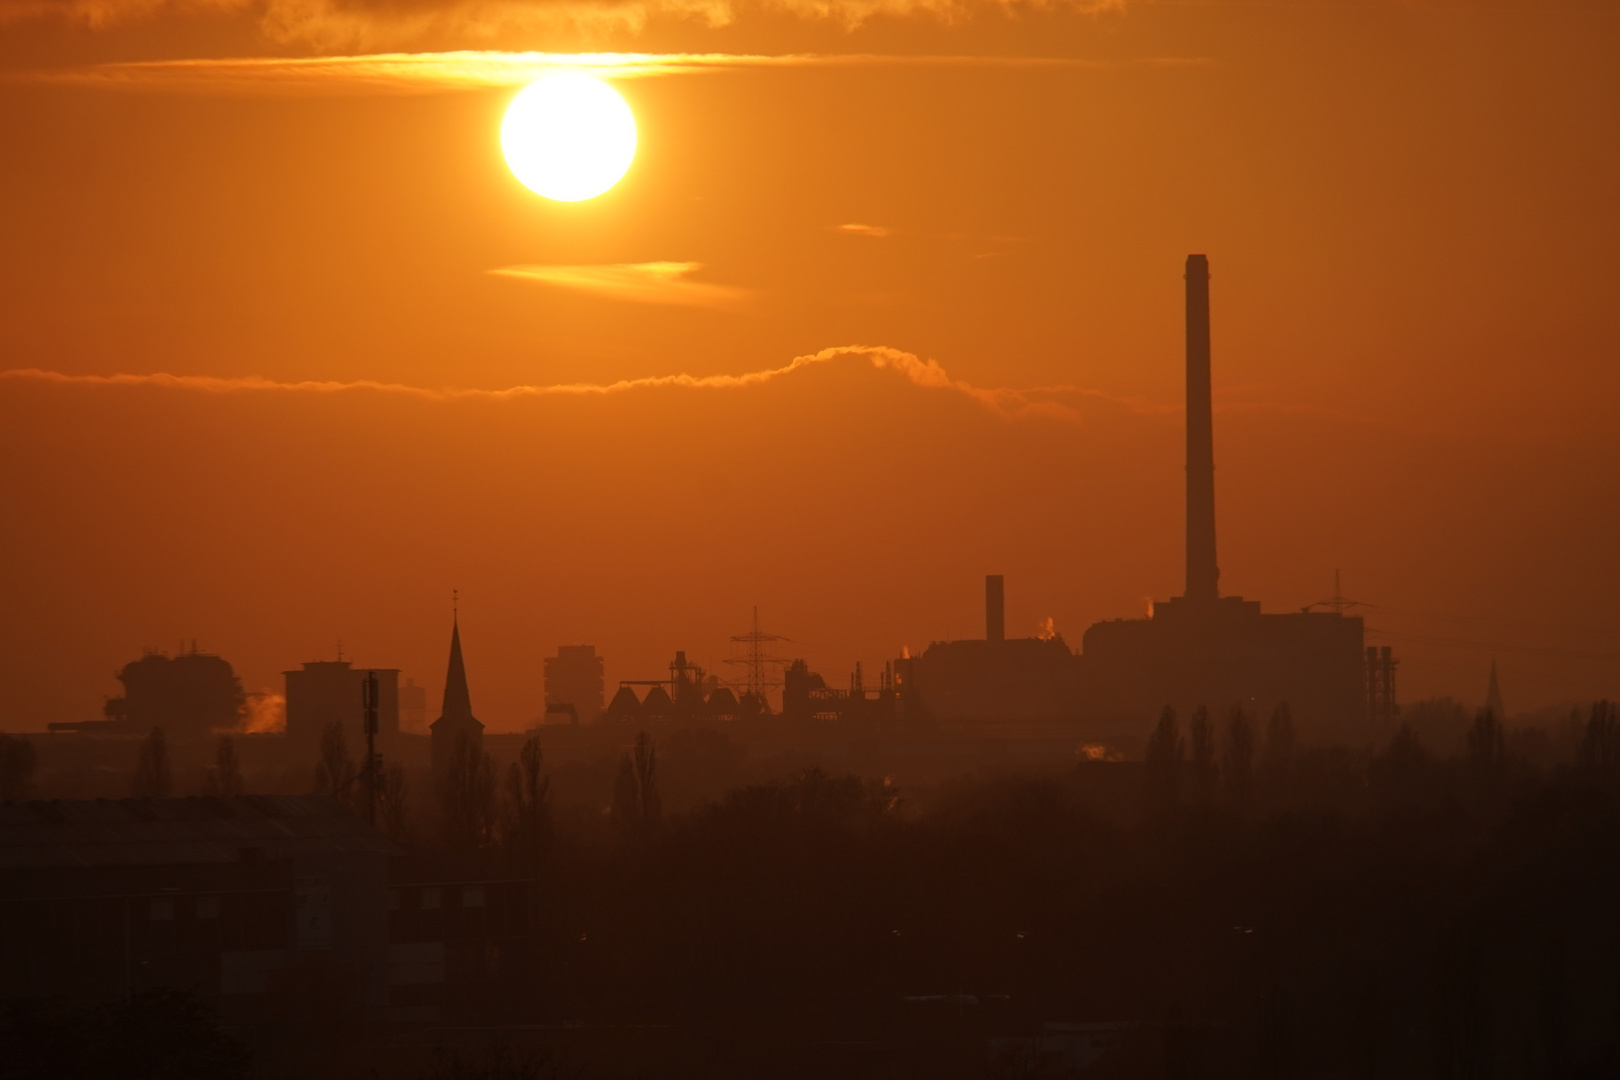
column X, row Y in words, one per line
column 1487, row 745
column 1599, row 754
column 1405, row 770
column 1277, row 757
column 152, row 778
column 467, row 797
column 225, row 778
column 1206, row 770
column 393, row 801
column 526, row 813
column 16, row 766
column 652, row 805
column 626, row 812
column 1163, row 759
column 1239, row 755
column 637, row 806
column 334, row 773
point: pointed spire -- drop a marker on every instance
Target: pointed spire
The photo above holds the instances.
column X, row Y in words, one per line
column 457, row 711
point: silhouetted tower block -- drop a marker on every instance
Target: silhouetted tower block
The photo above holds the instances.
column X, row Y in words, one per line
column 575, row 677
column 995, row 608
column 456, row 721
column 332, row 691
column 1203, row 576
column 412, row 707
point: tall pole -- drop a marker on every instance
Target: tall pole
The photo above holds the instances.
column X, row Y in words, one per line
column 368, row 697
column 1202, row 573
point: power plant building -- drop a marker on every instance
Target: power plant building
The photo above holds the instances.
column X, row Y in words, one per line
column 993, row 679
column 1204, row 649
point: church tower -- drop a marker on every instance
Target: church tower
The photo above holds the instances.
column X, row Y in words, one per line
column 456, row 721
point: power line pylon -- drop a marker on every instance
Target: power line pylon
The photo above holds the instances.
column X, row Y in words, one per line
column 754, row 658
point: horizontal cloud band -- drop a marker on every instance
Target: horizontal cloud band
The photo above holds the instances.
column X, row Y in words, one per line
column 438, row 72
column 1006, row 403
column 640, row 283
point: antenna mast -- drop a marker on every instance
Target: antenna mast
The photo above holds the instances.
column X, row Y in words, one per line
column 368, row 701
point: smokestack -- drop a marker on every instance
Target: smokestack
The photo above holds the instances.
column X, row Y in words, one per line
column 1202, row 573
column 995, row 609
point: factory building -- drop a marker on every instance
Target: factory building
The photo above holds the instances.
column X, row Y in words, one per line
column 190, row 696
column 994, row 679
column 574, row 684
column 1202, row 648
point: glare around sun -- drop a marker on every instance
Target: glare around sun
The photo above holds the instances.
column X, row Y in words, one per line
column 568, row 137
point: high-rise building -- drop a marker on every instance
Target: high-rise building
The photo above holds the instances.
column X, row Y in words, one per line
column 574, row 677
column 413, row 708
column 330, row 691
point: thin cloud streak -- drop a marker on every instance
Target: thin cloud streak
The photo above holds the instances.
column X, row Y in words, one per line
column 637, row 283
column 874, row 232
column 1007, row 403
column 368, row 24
column 442, row 72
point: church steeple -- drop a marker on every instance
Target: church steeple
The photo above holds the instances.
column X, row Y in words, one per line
column 457, row 699
column 456, row 733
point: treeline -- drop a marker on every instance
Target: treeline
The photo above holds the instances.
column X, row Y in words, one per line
column 1243, row 905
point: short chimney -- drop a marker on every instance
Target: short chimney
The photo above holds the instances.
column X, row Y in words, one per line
column 995, row 609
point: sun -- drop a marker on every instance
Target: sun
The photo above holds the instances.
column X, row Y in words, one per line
column 568, row 137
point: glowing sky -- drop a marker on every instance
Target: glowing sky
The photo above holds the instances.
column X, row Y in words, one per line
column 291, row 225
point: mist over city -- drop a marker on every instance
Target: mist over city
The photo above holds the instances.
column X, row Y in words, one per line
column 633, row 539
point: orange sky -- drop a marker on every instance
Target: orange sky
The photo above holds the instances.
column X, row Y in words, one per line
column 1408, row 209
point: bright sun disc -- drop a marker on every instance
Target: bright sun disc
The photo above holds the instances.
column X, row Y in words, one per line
column 568, row 137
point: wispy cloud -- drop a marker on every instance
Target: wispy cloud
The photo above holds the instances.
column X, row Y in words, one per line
column 637, row 283
column 875, row 232
column 1053, row 402
column 440, row 72
column 368, row 23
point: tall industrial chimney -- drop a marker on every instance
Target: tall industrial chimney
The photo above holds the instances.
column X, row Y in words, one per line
column 1202, row 573
column 995, row 609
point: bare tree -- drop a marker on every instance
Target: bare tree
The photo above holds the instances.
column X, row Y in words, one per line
column 1487, row 745
column 393, row 801
column 1599, row 754
column 1239, row 757
column 153, row 779
column 226, row 777
column 652, row 805
column 1277, row 758
column 467, row 797
column 526, row 811
column 626, row 812
column 16, row 766
column 1165, row 751
column 334, row 773
column 637, row 806
column 1206, row 769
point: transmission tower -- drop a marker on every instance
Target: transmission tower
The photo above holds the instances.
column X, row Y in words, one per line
column 754, row 656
